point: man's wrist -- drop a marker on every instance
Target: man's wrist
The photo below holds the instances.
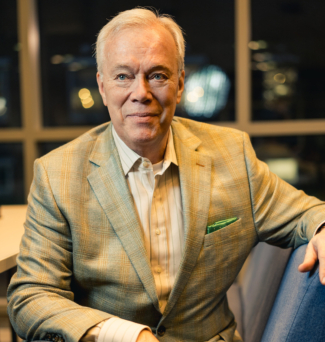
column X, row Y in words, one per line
column 121, row 330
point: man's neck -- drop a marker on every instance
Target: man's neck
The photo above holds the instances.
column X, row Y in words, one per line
column 154, row 153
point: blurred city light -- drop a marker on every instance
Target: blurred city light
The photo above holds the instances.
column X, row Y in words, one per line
column 57, row 59
column 262, row 66
column 257, row 45
column 253, row 45
column 3, row 106
column 259, row 57
column 88, row 104
column 206, row 92
column 86, row 99
column 282, row 89
column 194, row 95
column 279, row 78
column 84, row 93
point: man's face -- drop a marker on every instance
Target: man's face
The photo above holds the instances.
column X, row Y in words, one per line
column 140, row 85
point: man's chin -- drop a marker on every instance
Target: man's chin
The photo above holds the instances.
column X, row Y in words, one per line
column 144, row 137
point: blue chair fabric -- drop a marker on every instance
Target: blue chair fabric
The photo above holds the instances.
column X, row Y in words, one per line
column 298, row 313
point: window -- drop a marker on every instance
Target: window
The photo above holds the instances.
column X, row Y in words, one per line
column 258, row 65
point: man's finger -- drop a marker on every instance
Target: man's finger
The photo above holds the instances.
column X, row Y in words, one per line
column 310, row 259
column 321, row 259
column 319, row 243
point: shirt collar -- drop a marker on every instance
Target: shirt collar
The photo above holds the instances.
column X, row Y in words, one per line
column 128, row 157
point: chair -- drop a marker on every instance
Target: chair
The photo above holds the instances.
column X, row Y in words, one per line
column 273, row 301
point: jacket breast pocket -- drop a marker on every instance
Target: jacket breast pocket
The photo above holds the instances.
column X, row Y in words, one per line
column 224, row 235
column 221, row 257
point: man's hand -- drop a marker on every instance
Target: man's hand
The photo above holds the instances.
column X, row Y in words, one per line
column 146, row 336
column 315, row 250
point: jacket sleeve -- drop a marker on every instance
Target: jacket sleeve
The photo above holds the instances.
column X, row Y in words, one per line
column 40, row 301
column 283, row 216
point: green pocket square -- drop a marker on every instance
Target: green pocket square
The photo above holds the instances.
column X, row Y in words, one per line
column 220, row 224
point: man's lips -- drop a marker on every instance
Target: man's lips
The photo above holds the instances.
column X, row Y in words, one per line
column 142, row 117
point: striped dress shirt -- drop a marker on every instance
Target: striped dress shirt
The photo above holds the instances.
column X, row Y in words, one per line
column 157, row 198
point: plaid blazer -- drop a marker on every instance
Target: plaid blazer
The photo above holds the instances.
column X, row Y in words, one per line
column 82, row 257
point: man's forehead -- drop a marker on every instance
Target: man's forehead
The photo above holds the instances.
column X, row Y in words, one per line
column 142, row 36
column 157, row 30
column 131, row 44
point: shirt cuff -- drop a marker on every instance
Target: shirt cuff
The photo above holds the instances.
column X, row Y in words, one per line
column 319, row 226
column 91, row 334
column 117, row 329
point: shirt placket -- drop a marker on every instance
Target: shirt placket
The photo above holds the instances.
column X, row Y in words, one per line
column 158, row 233
column 147, row 181
column 157, row 229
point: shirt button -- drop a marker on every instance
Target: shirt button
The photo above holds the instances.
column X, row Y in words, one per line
column 158, row 269
column 145, row 164
column 157, row 231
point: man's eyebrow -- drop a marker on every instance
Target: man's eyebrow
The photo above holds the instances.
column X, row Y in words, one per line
column 121, row 67
column 160, row 67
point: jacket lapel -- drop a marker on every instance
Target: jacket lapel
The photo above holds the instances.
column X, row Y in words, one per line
column 111, row 189
column 195, row 181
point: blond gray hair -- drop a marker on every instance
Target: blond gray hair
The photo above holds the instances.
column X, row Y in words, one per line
column 139, row 17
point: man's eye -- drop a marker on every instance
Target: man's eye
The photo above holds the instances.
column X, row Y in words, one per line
column 121, row 77
column 158, row 77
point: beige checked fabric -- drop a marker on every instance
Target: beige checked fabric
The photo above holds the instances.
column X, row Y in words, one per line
column 156, row 193
column 82, row 257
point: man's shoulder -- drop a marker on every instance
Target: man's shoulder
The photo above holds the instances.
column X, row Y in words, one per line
column 205, row 131
column 77, row 150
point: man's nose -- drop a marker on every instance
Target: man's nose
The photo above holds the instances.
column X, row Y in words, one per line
column 141, row 91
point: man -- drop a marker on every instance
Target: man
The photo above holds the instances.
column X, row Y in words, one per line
column 117, row 244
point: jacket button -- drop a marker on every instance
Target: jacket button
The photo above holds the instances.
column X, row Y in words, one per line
column 161, row 330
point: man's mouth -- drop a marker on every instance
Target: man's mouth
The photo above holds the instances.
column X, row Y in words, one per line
column 141, row 115
column 142, row 118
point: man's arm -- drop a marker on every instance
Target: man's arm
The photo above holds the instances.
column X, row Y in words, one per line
column 40, row 297
column 283, row 215
column 41, row 302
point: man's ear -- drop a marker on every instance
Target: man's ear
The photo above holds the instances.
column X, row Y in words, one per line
column 101, row 87
column 180, row 86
